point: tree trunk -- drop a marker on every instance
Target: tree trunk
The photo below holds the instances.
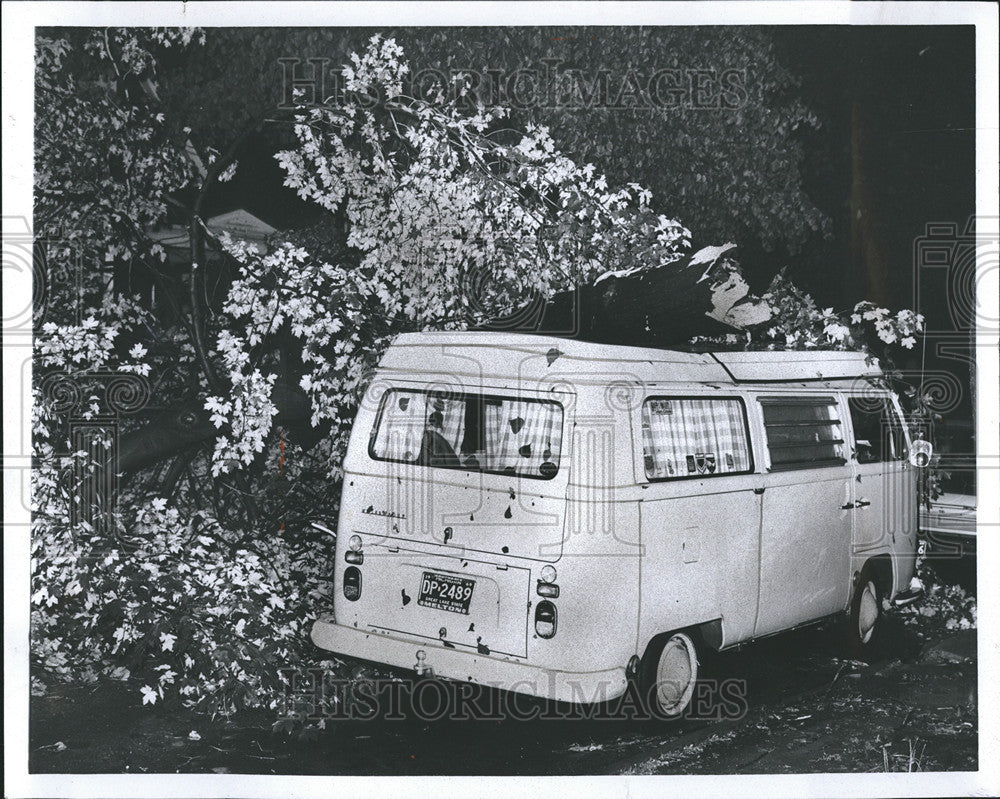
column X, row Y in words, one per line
column 702, row 295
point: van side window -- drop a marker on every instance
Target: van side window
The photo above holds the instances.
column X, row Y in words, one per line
column 802, row 432
column 469, row 432
column 687, row 437
column 878, row 435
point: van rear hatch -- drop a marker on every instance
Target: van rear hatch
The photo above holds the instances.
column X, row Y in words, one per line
column 478, row 471
column 476, row 605
column 457, row 498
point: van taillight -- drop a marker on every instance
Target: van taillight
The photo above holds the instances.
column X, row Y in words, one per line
column 545, row 619
column 352, row 583
column 547, row 582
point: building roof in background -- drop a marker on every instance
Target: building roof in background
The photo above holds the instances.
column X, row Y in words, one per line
column 241, row 224
column 238, row 223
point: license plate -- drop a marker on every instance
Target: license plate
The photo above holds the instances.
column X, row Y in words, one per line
column 445, row 592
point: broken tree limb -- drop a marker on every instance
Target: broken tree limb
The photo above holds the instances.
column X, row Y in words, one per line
column 704, row 294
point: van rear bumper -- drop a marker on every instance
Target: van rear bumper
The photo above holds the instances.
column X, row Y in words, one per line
column 509, row 675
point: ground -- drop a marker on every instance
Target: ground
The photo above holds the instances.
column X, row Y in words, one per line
column 807, row 709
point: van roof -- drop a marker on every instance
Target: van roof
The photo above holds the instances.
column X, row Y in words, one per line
column 535, row 357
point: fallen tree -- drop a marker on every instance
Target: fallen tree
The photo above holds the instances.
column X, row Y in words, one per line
column 440, row 217
column 702, row 295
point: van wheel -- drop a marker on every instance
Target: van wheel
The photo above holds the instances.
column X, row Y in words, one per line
column 668, row 673
column 865, row 618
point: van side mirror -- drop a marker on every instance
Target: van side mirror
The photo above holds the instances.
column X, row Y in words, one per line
column 920, row 453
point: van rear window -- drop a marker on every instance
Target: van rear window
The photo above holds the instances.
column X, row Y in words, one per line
column 803, row 432
column 688, row 437
column 469, row 432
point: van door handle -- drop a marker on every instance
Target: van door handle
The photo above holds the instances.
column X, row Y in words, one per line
column 758, row 491
column 862, row 503
column 848, row 506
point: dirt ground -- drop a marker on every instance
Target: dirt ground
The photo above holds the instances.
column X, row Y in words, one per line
column 808, row 709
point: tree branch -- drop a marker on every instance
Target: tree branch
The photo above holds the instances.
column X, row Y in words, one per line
column 189, row 425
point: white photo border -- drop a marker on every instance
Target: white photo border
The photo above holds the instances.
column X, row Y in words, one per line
column 19, row 21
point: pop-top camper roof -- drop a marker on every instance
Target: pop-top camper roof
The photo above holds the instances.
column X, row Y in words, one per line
column 531, row 357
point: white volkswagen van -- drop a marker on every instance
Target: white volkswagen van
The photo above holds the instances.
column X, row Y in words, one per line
column 556, row 517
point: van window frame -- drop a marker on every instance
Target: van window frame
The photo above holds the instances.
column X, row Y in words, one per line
column 465, row 394
column 708, row 475
column 827, row 400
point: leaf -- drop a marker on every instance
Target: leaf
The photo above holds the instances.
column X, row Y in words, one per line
column 149, row 695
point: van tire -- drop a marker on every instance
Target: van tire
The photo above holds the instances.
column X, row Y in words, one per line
column 865, row 616
column 668, row 673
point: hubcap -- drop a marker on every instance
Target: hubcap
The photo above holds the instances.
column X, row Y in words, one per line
column 676, row 674
column 867, row 613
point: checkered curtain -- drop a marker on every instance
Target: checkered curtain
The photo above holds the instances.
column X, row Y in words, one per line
column 446, row 415
column 685, row 436
column 405, row 417
column 521, row 436
column 402, row 425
